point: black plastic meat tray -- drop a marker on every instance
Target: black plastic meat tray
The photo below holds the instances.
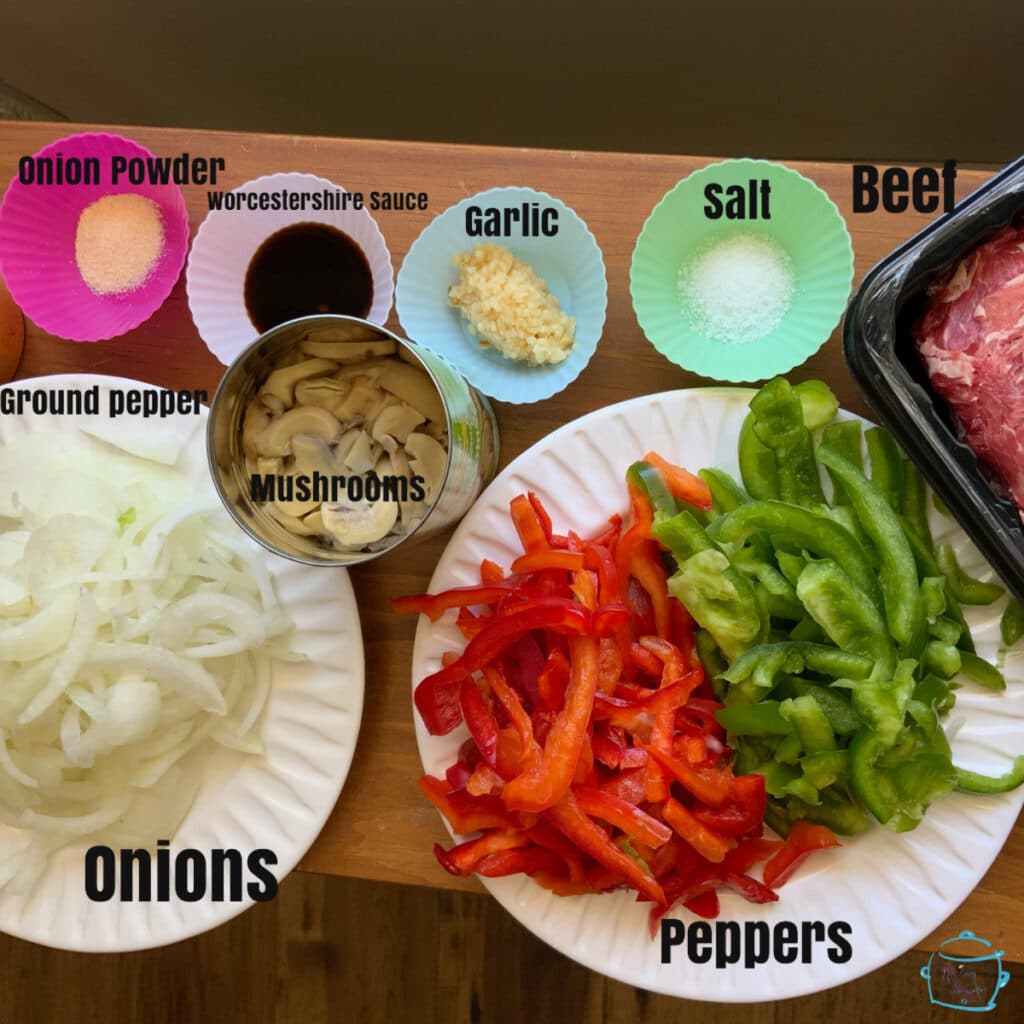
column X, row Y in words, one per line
column 880, row 353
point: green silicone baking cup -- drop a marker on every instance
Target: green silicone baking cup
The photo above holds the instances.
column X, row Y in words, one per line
column 804, row 221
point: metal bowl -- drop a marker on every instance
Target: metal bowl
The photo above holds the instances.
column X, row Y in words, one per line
column 472, row 437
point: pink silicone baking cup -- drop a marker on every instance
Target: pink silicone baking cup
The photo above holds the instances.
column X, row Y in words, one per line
column 37, row 245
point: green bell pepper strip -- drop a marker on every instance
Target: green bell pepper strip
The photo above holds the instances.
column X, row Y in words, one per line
column 1011, row 625
column 764, row 662
column 946, row 630
column 726, row 493
column 779, row 425
column 851, row 621
column 927, row 568
column 649, row 481
column 964, row 588
column 781, row 780
column 817, row 403
column 836, row 811
column 809, row 723
column 788, row 749
column 886, row 465
column 844, row 438
column 914, row 501
column 757, row 464
column 824, row 768
column 719, row 597
column 758, row 468
column 897, row 568
column 804, row 529
column 710, row 655
column 898, row 794
column 790, row 565
column 981, row 672
column 761, row 719
column 943, row 659
column 973, row 782
column 841, row 716
column 935, row 693
column 807, row 631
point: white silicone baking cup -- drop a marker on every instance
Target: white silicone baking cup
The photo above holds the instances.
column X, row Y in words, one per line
column 228, row 239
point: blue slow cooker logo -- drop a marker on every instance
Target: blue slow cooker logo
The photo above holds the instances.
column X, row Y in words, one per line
column 966, row 982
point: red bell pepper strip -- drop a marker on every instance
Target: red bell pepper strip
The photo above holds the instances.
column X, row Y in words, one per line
column 628, row 785
column 609, row 536
column 708, row 844
column 623, row 815
column 608, row 618
column 632, row 539
column 466, row 813
column 645, row 660
column 469, row 624
column 490, row 572
column 549, row 558
column 704, row 904
column 527, row 860
column 542, row 514
column 647, row 570
column 709, row 785
column 749, row 888
column 641, row 611
column 529, row 525
column 550, row 838
column 513, row 706
column 457, row 775
column 510, row 753
column 435, row 605
column 609, row 670
column 803, row 839
column 749, row 853
column 436, row 697
column 548, row 779
column 743, row 813
column 480, row 720
column 463, row 859
column 484, row 780
column 681, row 484
column 553, row 679
column 656, row 784
column 567, row 817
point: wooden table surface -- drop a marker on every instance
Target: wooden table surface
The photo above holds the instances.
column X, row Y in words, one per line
column 381, row 827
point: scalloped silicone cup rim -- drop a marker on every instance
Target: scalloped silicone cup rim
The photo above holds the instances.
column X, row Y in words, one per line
column 522, row 391
column 135, row 307
column 793, row 341
column 193, row 297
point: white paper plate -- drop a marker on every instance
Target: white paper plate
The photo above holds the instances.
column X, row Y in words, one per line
column 228, row 239
column 279, row 800
column 892, row 889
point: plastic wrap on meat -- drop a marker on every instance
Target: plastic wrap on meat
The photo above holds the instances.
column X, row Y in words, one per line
column 971, row 339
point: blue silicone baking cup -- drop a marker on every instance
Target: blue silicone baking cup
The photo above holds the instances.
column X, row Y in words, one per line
column 570, row 263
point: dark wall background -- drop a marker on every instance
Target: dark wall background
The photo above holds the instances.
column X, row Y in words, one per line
column 881, row 79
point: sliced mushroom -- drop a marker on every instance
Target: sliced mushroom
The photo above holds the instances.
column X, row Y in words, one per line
column 363, row 400
column 348, row 351
column 311, row 455
column 398, row 420
column 281, row 383
column 360, row 458
column 257, row 419
column 372, row 369
column 353, row 525
column 414, row 387
column 428, row 460
column 290, row 523
column 323, row 392
column 277, row 438
column 272, row 466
